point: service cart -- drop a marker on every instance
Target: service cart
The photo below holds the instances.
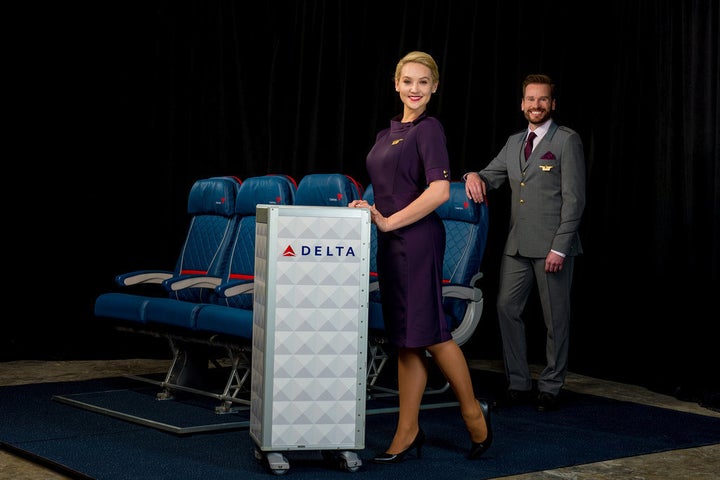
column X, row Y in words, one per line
column 309, row 357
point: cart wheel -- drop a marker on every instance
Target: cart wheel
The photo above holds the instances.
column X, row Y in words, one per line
column 343, row 460
column 276, row 462
column 258, row 455
column 344, row 466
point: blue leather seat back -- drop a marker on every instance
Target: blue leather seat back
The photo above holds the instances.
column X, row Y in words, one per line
column 211, row 205
column 268, row 190
column 328, row 190
column 466, row 226
column 292, row 186
column 369, row 196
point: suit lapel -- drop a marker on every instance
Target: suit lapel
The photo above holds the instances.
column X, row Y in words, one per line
column 539, row 147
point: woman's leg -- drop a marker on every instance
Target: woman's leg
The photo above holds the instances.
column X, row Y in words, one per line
column 451, row 360
column 412, row 379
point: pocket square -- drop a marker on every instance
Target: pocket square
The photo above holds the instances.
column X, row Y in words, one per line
column 548, row 156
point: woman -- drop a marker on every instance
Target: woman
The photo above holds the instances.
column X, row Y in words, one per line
column 409, row 170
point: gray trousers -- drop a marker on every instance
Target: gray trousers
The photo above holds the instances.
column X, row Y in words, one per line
column 517, row 277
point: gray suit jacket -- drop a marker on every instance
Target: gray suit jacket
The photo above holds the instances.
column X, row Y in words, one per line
column 548, row 192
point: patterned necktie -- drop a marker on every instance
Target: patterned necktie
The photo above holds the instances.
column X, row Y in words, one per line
column 529, row 144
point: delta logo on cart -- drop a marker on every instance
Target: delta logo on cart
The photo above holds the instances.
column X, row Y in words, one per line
column 320, row 251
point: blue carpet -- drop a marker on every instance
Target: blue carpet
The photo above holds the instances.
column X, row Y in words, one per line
column 585, row 429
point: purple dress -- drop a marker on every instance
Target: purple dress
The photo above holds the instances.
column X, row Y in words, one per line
column 405, row 158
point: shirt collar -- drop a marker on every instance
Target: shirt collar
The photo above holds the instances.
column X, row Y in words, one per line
column 541, row 130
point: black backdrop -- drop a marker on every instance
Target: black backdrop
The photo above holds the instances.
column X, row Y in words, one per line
column 129, row 103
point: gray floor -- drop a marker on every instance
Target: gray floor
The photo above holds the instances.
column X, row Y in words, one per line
column 693, row 464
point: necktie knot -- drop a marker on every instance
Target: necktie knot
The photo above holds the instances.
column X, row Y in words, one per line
column 529, row 144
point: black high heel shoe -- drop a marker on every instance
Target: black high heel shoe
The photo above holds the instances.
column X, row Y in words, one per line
column 478, row 448
column 398, row 457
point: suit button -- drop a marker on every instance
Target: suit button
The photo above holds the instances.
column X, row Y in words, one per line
column 522, row 201
column 522, row 184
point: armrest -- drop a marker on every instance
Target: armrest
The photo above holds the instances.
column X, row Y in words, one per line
column 374, row 283
column 473, row 310
column 191, row 281
column 143, row 276
column 234, row 287
column 462, row 292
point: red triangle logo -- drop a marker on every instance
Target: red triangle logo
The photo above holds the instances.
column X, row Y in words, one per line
column 289, row 252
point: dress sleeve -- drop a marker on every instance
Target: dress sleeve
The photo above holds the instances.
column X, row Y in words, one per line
column 432, row 149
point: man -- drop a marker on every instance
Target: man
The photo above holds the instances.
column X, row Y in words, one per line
column 548, row 198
